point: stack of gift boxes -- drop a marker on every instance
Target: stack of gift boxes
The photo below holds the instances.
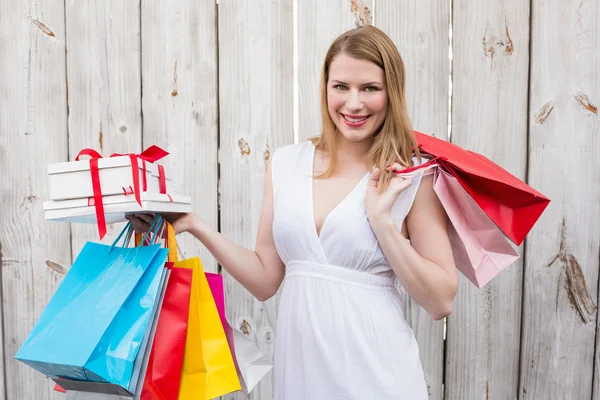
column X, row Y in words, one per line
column 98, row 190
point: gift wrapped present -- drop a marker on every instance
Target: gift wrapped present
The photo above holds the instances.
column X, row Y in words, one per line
column 116, row 207
column 104, row 190
column 117, row 174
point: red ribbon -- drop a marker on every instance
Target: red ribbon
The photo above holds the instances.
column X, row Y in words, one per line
column 151, row 154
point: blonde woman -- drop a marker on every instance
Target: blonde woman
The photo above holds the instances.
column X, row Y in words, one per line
column 336, row 224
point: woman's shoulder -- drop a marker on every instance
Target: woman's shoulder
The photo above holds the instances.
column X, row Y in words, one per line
column 289, row 151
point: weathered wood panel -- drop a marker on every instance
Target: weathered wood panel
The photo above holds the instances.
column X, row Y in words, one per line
column 420, row 31
column 596, row 382
column 489, row 116
column 33, row 125
column 103, row 75
column 256, row 117
column 562, row 254
column 179, row 80
column 318, row 24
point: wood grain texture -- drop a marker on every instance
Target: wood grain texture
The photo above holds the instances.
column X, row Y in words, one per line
column 256, row 117
column 179, row 80
column 489, row 116
column 318, row 24
column 103, row 75
column 33, row 125
column 562, row 252
column 420, row 31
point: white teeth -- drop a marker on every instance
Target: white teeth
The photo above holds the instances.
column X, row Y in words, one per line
column 354, row 120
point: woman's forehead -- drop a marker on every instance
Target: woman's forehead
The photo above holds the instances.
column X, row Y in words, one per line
column 351, row 70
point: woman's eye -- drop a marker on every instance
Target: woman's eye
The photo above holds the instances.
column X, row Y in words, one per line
column 371, row 89
column 340, row 87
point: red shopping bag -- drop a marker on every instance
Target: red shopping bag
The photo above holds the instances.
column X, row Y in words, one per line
column 512, row 204
column 163, row 373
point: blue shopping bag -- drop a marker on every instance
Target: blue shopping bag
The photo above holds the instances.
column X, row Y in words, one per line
column 94, row 325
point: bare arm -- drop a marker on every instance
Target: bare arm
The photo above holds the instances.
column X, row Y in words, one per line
column 425, row 265
column 260, row 271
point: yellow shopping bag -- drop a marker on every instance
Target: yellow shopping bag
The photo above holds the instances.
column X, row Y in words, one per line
column 208, row 367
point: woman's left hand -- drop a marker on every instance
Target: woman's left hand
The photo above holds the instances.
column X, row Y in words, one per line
column 379, row 205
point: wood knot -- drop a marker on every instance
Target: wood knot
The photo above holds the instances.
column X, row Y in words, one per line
column 56, row 267
column 244, row 147
column 245, row 328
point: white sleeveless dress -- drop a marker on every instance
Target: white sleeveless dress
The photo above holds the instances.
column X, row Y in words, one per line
column 341, row 331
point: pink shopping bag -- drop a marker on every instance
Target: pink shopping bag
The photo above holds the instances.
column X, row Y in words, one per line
column 481, row 251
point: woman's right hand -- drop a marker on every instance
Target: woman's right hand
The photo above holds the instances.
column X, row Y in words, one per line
column 180, row 222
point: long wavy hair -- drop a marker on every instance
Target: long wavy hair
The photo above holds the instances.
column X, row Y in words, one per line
column 394, row 140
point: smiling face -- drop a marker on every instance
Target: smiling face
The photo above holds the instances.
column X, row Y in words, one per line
column 357, row 98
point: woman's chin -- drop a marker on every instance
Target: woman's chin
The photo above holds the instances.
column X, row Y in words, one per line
column 355, row 135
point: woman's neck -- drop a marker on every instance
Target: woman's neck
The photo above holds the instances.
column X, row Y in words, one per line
column 351, row 152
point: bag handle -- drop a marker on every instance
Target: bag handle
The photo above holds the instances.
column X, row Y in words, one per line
column 128, row 231
column 170, row 240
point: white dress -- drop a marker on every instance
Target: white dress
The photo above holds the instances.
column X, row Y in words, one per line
column 341, row 331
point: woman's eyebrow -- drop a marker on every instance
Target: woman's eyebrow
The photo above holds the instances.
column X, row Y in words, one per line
column 364, row 84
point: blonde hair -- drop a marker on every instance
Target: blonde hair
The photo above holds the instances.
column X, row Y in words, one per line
column 394, row 141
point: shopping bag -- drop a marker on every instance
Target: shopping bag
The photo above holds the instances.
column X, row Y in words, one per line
column 208, row 367
column 509, row 202
column 75, row 395
column 251, row 365
column 481, row 251
column 94, row 325
column 165, row 364
column 139, row 366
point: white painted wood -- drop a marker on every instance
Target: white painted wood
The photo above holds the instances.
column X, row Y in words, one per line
column 33, row 121
column 179, row 83
column 562, row 253
column 103, row 75
column 596, row 383
column 318, row 24
column 420, row 31
column 489, row 116
column 256, row 117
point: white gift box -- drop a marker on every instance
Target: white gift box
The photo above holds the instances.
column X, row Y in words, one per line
column 72, row 180
column 115, row 207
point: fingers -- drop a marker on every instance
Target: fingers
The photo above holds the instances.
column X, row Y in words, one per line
column 395, row 167
column 140, row 225
column 148, row 218
column 398, row 184
column 374, row 179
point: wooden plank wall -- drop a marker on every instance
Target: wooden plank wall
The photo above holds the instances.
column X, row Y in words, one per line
column 562, row 255
column 180, row 102
column 222, row 86
column 256, row 117
column 489, row 115
column 33, row 132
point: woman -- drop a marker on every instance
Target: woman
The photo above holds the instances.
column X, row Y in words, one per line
column 335, row 223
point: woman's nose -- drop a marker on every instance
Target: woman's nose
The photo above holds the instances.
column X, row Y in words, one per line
column 354, row 101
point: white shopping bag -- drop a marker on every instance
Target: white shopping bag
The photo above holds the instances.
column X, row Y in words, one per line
column 251, row 364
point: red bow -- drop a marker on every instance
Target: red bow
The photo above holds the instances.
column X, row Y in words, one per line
column 151, row 154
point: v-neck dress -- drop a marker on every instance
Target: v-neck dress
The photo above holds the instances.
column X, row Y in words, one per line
column 341, row 331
